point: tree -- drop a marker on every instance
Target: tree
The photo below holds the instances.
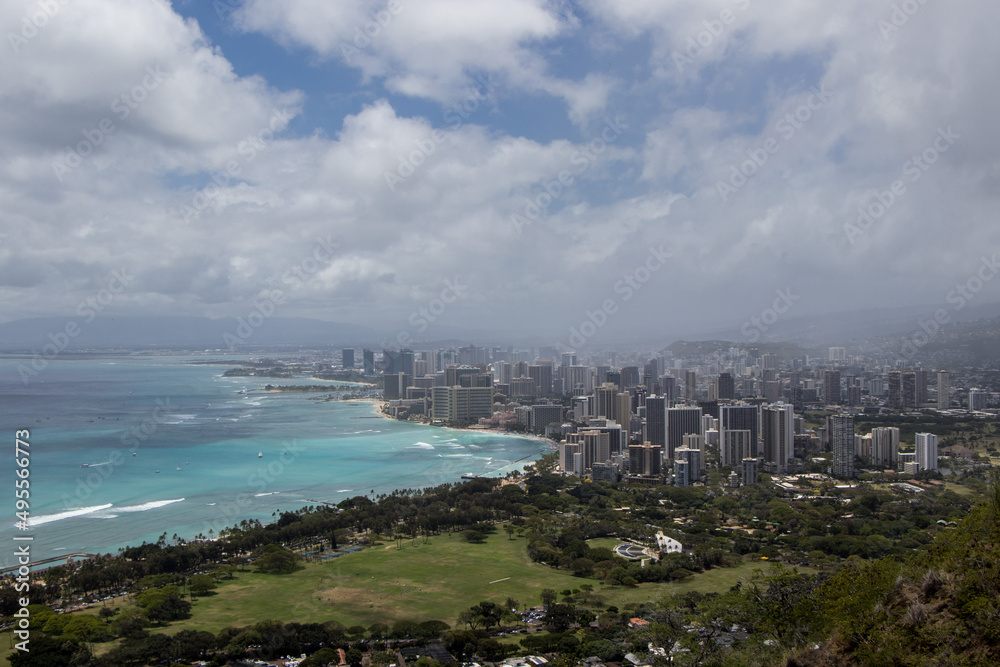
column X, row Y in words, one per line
column 474, row 536
column 277, row 560
column 131, row 622
column 164, row 604
column 509, row 529
column 558, row 617
column 322, row 658
column 46, row 651
column 201, row 584
column 549, row 596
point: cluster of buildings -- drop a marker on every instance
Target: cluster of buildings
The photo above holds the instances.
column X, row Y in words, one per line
column 663, row 418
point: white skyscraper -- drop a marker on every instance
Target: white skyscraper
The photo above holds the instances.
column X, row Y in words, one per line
column 927, row 454
column 943, row 391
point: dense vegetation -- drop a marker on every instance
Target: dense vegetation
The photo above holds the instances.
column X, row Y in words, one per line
column 896, row 579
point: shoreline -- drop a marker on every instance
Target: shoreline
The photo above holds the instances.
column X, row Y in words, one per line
column 380, row 404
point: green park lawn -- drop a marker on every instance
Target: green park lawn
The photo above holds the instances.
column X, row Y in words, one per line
column 436, row 579
column 433, row 579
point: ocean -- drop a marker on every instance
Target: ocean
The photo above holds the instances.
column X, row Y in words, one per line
column 126, row 448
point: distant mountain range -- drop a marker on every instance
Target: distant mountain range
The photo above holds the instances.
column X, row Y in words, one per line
column 112, row 332
column 790, row 336
column 845, row 328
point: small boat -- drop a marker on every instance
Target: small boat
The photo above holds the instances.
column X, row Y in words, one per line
column 133, row 453
column 176, row 468
column 85, row 465
column 260, row 455
column 156, row 471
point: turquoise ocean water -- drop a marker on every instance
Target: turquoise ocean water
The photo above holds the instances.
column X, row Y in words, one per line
column 222, row 456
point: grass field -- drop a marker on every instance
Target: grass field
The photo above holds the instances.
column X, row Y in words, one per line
column 433, row 580
column 423, row 581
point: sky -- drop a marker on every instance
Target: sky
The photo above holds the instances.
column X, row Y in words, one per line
column 576, row 170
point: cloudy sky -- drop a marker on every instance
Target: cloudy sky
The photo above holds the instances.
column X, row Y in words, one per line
column 508, row 165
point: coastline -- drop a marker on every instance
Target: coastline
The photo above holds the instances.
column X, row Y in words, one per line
column 379, row 406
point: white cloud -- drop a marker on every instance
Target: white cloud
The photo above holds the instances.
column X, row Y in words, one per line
column 656, row 183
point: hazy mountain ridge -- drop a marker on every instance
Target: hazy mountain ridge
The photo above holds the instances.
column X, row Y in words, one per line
column 176, row 332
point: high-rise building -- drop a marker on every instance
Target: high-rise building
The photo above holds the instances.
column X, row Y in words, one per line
column 368, row 358
column 921, row 387
column 927, row 451
column 617, row 436
column 978, row 399
column 522, row 386
column 681, row 473
column 778, row 435
column 566, row 460
column 884, row 447
column 623, row 408
column 347, row 358
column 656, row 421
column 895, row 389
column 842, row 444
column 943, row 391
column 690, row 385
column 645, row 460
column 736, row 446
column 699, row 442
column 681, row 422
column 630, row 377
column 740, row 417
column 693, row 458
column 748, row 470
column 909, row 396
column 604, row 400
column 395, row 384
column 727, row 387
column 668, row 389
column 578, row 380
column 595, row 446
column 771, row 390
column 543, row 415
column 831, row 387
column 461, row 404
column 542, row 375
column 837, row 354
